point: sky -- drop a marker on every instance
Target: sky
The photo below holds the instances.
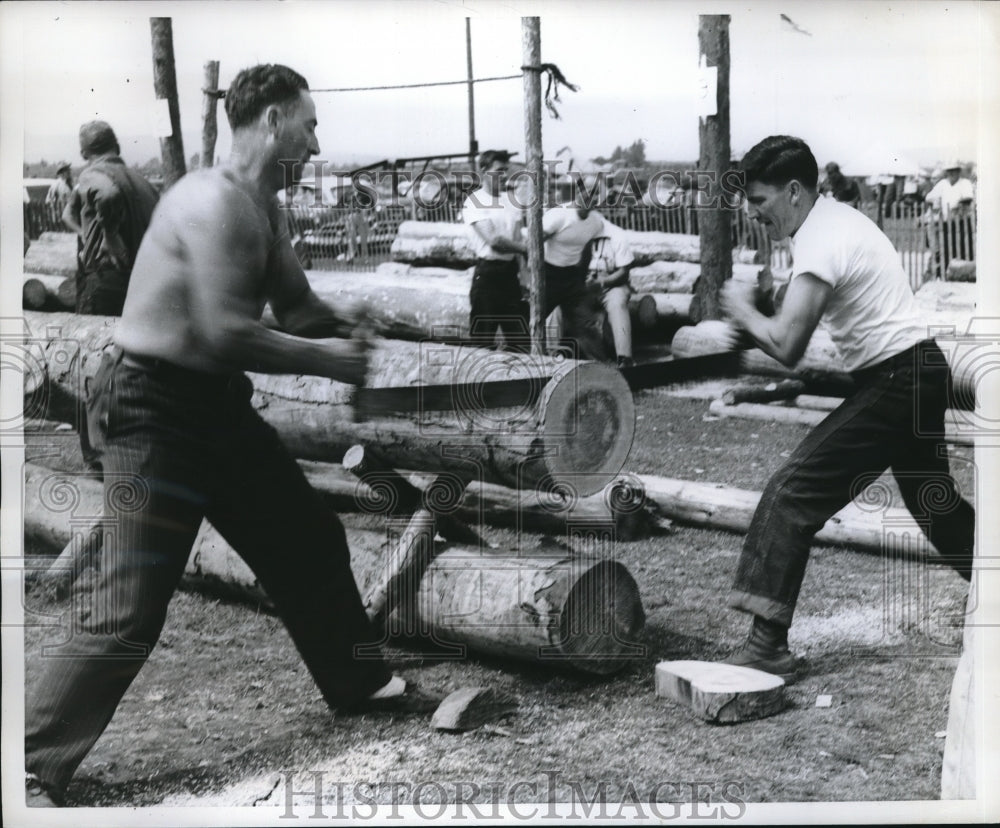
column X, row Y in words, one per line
column 870, row 80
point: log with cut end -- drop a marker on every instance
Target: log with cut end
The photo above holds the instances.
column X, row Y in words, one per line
column 554, row 608
column 720, row 693
column 579, row 429
column 867, row 525
column 549, row 607
column 654, row 310
column 42, row 291
column 52, row 253
column 472, row 707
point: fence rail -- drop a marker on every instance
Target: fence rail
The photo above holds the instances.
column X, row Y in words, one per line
column 344, row 238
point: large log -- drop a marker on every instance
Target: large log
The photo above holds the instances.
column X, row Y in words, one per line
column 959, row 428
column 654, row 310
column 578, row 432
column 867, row 528
column 664, row 276
column 552, row 607
column 398, row 306
column 42, row 291
column 430, row 243
column 448, row 244
column 52, row 253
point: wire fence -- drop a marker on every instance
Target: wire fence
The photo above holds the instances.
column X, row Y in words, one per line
column 353, row 238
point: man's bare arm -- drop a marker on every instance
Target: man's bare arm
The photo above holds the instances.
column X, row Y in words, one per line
column 296, row 306
column 225, row 240
column 786, row 335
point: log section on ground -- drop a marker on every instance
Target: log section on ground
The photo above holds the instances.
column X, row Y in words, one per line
column 960, row 427
column 783, row 390
column 52, row 253
column 578, row 430
column 549, row 606
column 868, row 524
column 720, row 693
column 42, row 291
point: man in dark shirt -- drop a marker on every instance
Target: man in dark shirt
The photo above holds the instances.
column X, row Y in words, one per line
column 840, row 186
column 110, row 211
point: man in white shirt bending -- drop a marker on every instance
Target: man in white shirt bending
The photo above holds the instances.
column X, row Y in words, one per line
column 846, row 275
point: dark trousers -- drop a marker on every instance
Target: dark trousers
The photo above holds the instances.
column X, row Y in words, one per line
column 180, row 446
column 895, row 418
column 101, row 292
column 582, row 312
column 495, row 301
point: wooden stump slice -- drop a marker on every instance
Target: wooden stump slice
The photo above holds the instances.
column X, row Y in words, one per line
column 472, row 707
column 721, row 693
column 587, row 423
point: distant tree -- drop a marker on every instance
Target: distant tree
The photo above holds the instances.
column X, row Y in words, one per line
column 633, row 156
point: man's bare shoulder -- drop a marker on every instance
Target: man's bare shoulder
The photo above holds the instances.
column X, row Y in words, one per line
column 208, row 195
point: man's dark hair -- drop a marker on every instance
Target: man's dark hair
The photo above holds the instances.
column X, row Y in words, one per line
column 489, row 156
column 256, row 88
column 779, row 159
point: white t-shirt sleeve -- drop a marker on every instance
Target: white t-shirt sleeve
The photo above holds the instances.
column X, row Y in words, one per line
column 820, row 248
column 553, row 220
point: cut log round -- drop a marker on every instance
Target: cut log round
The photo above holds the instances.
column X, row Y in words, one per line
column 656, row 309
column 721, row 693
column 52, row 253
column 42, row 291
column 564, row 610
column 578, row 432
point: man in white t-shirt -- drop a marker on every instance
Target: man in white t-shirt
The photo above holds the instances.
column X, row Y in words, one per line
column 950, row 218
column 568, row 230
column 495, row 298
column 610, row 261
column 847, row 276
column 951, row 192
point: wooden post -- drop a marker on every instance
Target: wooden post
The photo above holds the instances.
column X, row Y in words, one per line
column 209, row 126
column 714, row 228
column 531, row 41
column 165, row 85
column 473, row 144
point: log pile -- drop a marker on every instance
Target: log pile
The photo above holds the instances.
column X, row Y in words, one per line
column 42, row 291
column 577, row 432
column 52, row 253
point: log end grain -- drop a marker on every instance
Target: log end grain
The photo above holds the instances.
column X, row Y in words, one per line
column 588, row 425
column 472, row 707
column 601, row 623
column 720, row 693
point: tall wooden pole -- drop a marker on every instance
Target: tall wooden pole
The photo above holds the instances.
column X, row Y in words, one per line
column 165, row 85
column 209, row 126
column 714, row 218
column 473, row 144
column 531, row 40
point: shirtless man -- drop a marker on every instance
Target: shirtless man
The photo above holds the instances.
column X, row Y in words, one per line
column 174, row 409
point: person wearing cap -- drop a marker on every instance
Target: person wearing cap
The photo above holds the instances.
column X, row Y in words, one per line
column 610, row 261
column 495, row 298
column 567, row 230
column 109, row 210
column 951, row 202
column 847, row 275
column 59, row 193
column 839, row 186
column 182, row 436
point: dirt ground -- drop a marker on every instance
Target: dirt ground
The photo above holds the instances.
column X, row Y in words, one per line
column 225, row 713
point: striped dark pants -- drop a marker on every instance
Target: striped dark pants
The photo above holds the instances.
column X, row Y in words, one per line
column 180, row 446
